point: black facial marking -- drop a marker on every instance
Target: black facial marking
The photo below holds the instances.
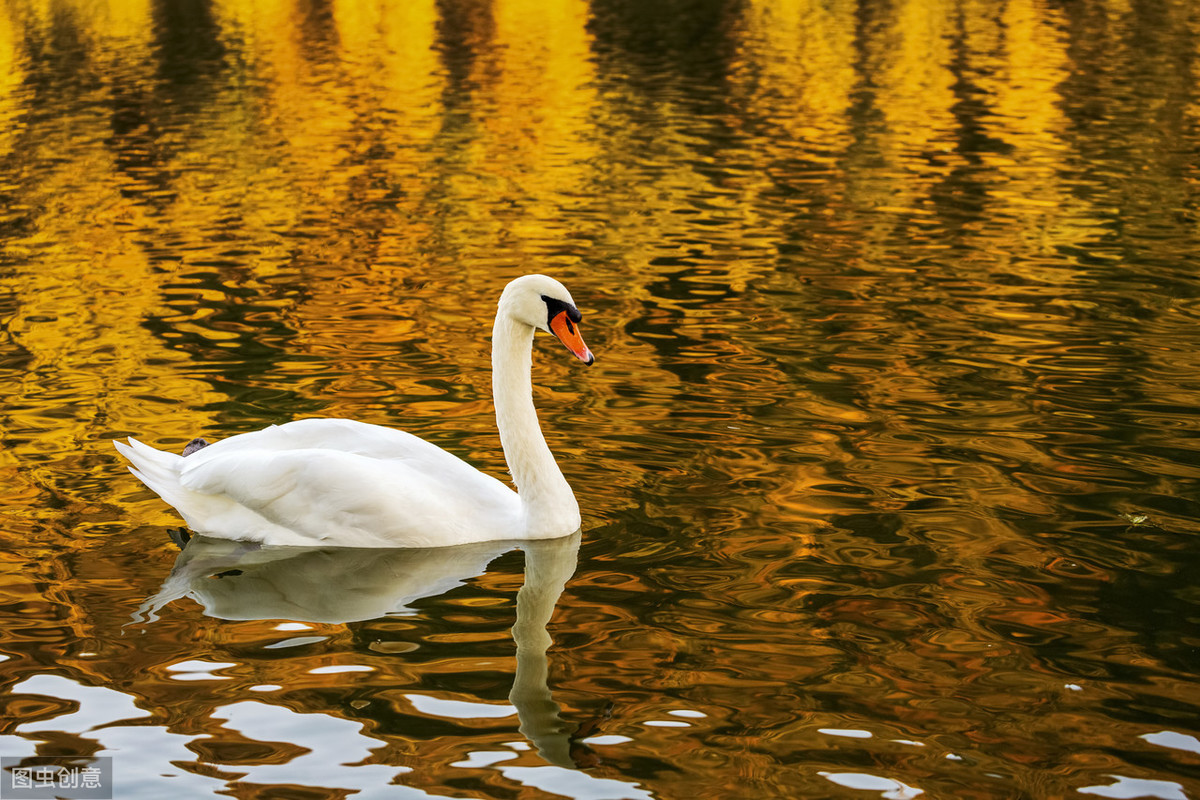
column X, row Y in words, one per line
column 556, row 307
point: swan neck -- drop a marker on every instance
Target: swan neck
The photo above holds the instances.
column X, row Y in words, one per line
column 544, row 492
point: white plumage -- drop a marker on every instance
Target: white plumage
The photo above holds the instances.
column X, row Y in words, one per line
column 345, row 483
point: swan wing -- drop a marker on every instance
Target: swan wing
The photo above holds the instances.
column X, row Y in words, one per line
column 344, row 482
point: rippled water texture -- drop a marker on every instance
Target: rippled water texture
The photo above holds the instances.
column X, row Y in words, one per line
column 888, row 462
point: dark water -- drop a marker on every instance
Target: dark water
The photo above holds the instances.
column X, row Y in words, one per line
column 888, row 463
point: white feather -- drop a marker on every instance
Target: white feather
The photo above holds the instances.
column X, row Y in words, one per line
column 346, row 483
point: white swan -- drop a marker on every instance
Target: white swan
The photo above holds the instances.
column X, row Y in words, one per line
column 337, row 482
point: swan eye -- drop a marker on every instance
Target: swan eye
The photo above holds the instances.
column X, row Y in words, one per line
column 555, row 307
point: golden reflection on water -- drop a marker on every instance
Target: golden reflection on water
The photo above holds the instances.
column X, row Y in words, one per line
column 887, row 462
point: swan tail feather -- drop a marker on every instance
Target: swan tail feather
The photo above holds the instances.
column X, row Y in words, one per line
column 157, row 469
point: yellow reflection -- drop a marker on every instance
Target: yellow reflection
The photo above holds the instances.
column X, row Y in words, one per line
column 909, row 59
column 353, row 100
column 530, row 148
column 907, row 72
column 543, row 81
column 1028, row 62
column 81, row 281
column 1034, row 65
column 12, row 74
column 795, row 67
column 396, row 43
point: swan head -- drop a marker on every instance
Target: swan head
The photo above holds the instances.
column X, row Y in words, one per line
column 543, row 303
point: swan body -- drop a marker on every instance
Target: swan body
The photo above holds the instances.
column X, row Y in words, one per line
column 338, row 482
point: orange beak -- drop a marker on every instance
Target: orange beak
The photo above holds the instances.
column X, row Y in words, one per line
column 568, row 333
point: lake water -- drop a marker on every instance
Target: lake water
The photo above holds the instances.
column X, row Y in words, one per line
column 889, row 463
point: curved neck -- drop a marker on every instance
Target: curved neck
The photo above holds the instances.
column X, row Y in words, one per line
column 547, row 498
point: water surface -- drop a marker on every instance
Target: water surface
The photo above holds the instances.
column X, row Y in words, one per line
column 888, row 462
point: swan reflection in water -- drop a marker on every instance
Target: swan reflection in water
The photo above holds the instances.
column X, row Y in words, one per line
column 241, row 581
